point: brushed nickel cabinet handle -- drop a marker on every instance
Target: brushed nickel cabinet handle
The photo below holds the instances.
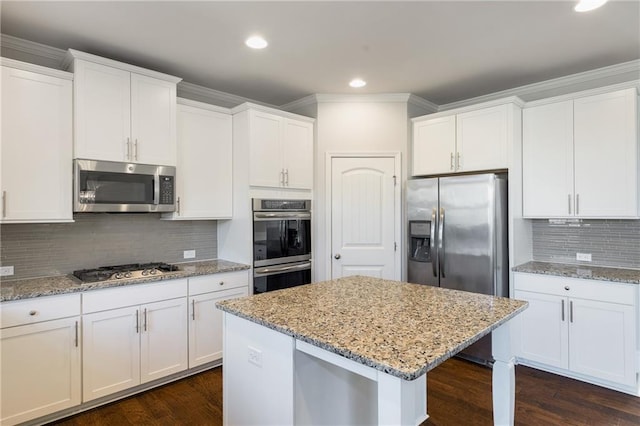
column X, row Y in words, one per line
column 577, row 203
column 458, row 162
column 562, row 310
column 286, row 174
column 76, row 334
column 451, row 161
column 128, row 148
column 135, row 150
column 178, row 206
column 4, row 203
column 193, row 309
column 571, row 311
column 569, row 202
column 145, row 319
column 137, row 321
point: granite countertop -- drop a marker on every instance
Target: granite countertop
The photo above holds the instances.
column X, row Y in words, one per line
column 620, row 275
column 48, row 286
column 399, row 328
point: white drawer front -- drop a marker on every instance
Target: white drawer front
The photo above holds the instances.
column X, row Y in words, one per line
column 604, row 291
column 37, row 309
column 135, row 294
column 216, row 282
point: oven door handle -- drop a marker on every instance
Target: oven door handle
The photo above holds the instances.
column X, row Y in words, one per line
column 280, row 269
column 281, row 216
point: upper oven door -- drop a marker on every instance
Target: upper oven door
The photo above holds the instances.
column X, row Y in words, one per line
column 106, row 186
column 281, row 237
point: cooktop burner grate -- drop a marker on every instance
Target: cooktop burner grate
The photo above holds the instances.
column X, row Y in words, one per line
column 116, row 272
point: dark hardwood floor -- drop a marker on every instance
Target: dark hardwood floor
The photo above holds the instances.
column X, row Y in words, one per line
column 458, row 393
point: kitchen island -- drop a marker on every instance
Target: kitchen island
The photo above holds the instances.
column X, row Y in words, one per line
column 355, row 350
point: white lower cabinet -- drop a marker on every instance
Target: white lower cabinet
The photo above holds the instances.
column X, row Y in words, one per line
column 40, row 357
column 205, row 321
column 135, row 344
column 585, row 329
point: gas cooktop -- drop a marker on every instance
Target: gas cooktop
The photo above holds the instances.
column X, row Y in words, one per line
column 118, row 272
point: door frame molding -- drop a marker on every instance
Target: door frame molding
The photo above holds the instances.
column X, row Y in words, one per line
column 397, row 210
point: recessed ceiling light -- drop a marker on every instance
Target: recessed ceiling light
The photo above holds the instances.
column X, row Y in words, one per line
column 256, row 42
column 357, row 82
column 587, row 5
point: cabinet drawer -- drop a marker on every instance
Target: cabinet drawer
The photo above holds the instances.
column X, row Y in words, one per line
column 216, row 282
column 603, row 291
column 135, row 294
column 39, row 309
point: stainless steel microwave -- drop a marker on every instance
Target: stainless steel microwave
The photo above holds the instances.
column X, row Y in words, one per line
column 108, row 186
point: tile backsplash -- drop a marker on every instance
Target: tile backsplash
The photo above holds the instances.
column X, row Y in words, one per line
column 39, row 250
column 610, row 242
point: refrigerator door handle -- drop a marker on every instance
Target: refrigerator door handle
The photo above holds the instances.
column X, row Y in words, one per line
column 441, row 242
column 434, row 260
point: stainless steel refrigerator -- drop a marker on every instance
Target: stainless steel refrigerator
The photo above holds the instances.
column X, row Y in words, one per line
column 458, row 239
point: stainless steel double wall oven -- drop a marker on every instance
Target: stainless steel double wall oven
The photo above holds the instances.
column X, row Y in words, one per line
column 281, row 244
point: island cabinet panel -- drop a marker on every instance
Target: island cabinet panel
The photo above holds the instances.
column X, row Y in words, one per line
column 586, row 329
column 40, row 349
column 580, row 157
column 36, row 148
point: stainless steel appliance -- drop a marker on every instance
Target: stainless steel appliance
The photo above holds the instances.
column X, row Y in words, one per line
column 281, row 244
column 119, row 272
column 457, row 238
column 108, row 186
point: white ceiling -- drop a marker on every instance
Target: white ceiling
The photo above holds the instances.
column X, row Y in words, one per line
column 443, row 51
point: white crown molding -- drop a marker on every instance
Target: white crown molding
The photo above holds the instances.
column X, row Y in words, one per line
column 215, row 96
column 514, row 100
column 26, row 66
column 300, row 103
column 202, row 105
column 530, row 90
column 33, row 48
column 575, row 95
column 351, row 98
column 422, row 103
column 248, row 105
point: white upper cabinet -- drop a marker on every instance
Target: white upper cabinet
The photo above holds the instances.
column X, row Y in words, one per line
column 204, row 178
column 35, row 153
column 280, row 146
column 473, row 139
column 122, row 112
column 580, row 157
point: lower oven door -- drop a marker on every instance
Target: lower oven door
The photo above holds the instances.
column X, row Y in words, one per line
column 277, row 277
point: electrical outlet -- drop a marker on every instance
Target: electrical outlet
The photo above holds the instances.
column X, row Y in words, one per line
column 189, row 254
column 255, row 356
column 6, row 271
column 585, row 257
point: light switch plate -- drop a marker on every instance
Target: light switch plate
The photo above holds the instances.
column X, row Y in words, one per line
column 584, row 257
column 189, row 254
column 6, row 271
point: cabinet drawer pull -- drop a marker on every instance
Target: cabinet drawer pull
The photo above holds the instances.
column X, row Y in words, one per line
column 193, row 309
column 562, row 310
column 135, row 150
column 145, row 319
column 571, row 311
column 128, row 148
column 137, row 321
column 76, row 334
column 33, row 313
column 569, row 202
column 458, row 162
column 4, row 203
column 577, row 203
column 451, row 161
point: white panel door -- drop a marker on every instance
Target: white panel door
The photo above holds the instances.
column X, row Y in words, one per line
column 547, row 160
column 36, row 149
column 297, row 148
column 40, row 369
column 363, row 201
column 163, row 339
column 606, row 155
column 265, row 156
column 205, row 325
column 153, row 120
column 543, row 329
column 434, row 146
column 482, row 137
column 601, row 338
column 111, row 352
column 102, row 108
column 204, row 180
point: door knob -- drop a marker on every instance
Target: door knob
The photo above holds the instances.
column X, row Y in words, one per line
column 337, row 256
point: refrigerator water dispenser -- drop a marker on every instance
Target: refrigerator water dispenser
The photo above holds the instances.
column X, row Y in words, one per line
column 420, row 240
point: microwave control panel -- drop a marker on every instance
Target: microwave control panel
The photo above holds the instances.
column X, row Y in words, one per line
column 166, row 190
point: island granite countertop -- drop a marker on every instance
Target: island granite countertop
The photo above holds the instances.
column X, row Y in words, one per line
column 62, row 284
column 631, row 276
column 399, row 328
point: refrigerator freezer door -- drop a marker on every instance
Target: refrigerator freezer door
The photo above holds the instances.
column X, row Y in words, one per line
column 422, row 207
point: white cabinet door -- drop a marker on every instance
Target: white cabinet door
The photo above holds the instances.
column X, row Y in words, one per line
column 102, row 125
column 40, row 369
column 601, row 337
column 547, row 160
column 153, row 120
column 111, row 352
column 481, row 138
column 434, row 146
column 163, row 344
column 265, row 158
column 205, row 325
column 297, row 149
column 36, row 147
column 606, row 155
column 543, row 334
column 204, row 178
